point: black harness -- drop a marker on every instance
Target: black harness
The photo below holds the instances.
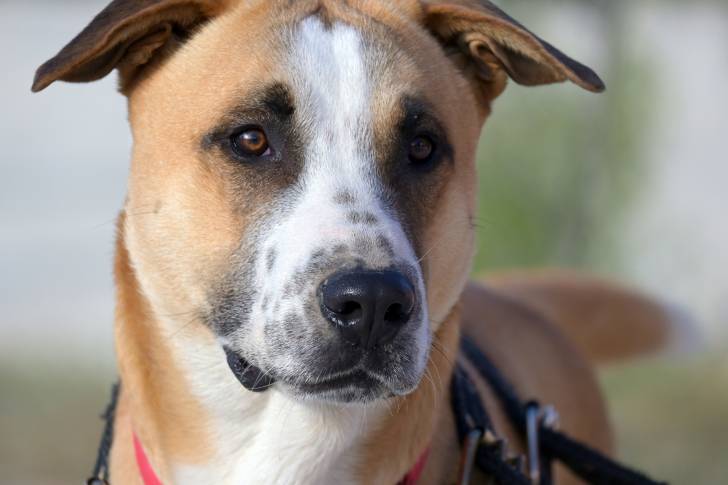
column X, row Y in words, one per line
column 480, row 445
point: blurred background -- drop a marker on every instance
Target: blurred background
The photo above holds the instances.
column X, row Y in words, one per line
column 631, row 184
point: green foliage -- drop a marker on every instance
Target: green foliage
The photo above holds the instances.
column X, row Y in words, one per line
column 558, row 169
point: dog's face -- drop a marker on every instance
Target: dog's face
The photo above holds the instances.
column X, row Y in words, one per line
column 307, row 200
column 303, row 181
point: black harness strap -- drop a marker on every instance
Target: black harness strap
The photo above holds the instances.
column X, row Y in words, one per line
column 584, row 461
column 471, row 420
column 100, row 475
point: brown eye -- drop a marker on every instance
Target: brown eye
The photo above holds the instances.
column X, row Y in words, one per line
column 421, row 149
column 251, row 142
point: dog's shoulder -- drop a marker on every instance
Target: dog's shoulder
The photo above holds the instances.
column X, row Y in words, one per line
column 503, row 323
column 538, row 359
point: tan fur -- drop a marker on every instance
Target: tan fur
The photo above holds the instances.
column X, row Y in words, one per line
column 606, row 322
column 185, row 216
column 160, row 399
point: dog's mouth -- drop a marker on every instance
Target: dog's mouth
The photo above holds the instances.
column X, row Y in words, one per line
column 356, row 384
column 251, row 377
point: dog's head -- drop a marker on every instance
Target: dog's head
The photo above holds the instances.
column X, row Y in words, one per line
column 303, row 177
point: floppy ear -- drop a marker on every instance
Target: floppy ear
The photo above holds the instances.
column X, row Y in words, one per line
column 126, row 34
column 496, row 46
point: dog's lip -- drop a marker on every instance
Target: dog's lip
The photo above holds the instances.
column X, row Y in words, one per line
column 253, row 378
column 357, row 377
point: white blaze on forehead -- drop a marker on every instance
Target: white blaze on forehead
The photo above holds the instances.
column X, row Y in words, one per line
column 330, row 77
column 332, row 90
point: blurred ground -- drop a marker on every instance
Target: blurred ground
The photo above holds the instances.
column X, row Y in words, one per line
column 629, row 184
column 49, row 424
column 671, row 416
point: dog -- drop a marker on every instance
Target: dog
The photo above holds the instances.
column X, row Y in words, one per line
column 299, row 220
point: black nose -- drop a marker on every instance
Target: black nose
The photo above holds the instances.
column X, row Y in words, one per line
column 369, row 307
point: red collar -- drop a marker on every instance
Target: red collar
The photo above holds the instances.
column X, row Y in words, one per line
column 415, row 472
column 149, row 476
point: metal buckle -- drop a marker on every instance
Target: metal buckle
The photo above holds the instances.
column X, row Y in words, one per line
column 473, row 440
column 536, row 417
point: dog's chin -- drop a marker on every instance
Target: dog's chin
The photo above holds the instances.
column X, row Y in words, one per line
column 357, row 386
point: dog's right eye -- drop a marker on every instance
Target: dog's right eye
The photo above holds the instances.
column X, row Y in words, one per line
column 251, row 142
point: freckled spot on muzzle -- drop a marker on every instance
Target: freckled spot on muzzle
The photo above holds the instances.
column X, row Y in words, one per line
column 270, row 259
column 385, row 245
column 344, row 198
column 361, row 217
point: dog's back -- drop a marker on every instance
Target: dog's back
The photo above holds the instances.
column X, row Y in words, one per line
column 607, row 322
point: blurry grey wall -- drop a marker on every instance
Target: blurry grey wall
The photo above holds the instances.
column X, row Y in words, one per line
column 63, row 168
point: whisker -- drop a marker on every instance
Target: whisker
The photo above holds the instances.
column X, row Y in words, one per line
column 390, row 408
column 439, row 377
column 438, row 347
column 183, row 327
column 433, row 389
column 115, row 218
column 432, row 248
column 467, row 220
column 180, row 314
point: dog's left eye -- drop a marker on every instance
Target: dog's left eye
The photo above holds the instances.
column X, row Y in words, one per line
column 251, row 142
column 420, row 149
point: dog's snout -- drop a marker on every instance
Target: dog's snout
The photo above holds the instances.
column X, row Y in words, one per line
column 369, row 307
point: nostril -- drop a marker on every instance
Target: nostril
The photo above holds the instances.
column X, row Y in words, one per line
column 351, row 309
column 396, row 314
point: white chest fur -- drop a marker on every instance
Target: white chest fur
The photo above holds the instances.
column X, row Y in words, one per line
column 268, row 437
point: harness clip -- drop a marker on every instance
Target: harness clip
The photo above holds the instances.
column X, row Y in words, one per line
column 537, row 417
column 467, row 458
